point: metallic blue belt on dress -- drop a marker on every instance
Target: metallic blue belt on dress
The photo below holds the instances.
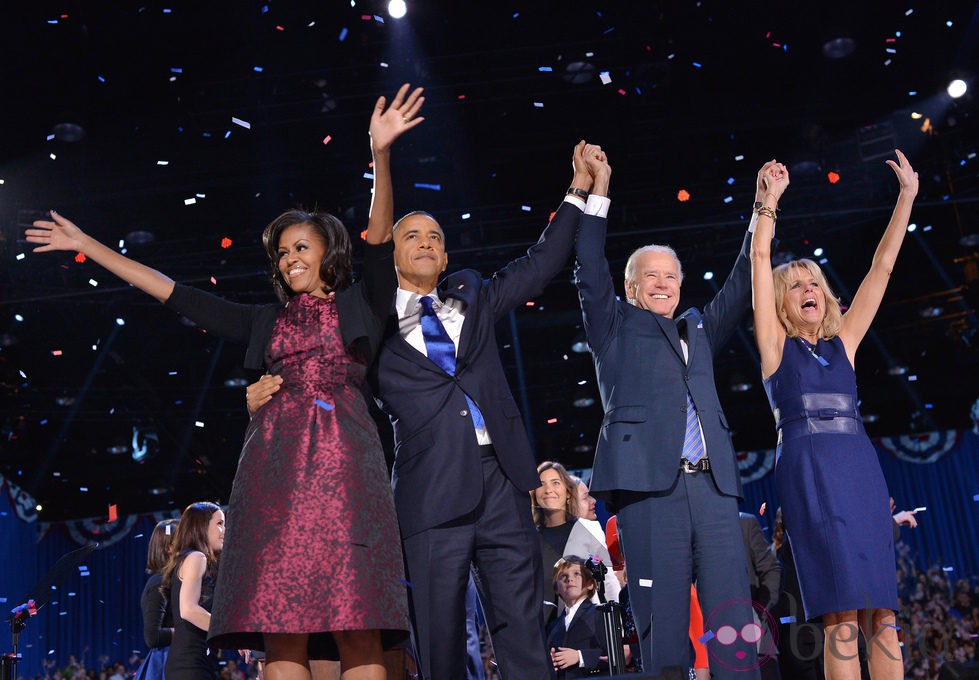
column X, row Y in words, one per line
column 817, row 413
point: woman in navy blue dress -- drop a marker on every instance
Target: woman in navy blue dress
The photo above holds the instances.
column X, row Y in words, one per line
column 833, row 495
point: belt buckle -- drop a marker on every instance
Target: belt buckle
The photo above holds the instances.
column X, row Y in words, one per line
column 689, row 467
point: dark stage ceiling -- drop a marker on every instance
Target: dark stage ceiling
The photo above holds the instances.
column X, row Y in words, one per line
column 690, row 96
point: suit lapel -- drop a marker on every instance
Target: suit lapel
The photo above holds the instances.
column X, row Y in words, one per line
column 669, row 330
column 692, row 319
column 465, row 289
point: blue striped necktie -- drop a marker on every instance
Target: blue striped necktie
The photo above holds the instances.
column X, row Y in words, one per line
column 442, row 351
column 693, row 443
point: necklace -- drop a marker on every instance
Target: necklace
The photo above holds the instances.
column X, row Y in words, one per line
column 809, row 347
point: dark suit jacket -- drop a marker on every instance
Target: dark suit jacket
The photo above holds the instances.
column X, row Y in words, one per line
column 764, row 571
column 644, row 380
column 437, row 475
column 360, row 309
column 586, row 634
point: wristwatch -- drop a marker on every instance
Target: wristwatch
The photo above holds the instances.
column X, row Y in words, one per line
column 580, row 193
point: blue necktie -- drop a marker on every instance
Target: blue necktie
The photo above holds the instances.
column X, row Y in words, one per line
column 442, row 350
column 693, row 443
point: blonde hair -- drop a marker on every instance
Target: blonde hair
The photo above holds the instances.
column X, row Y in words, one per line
column 833, row 318
column 570, row 504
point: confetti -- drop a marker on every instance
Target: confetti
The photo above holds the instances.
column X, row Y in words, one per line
column 921, row 509
column 226, row 242
column 243, row 123
column 56, row 352
column 403, row 582
column 430, row 187
column 113, row 513
column 198, row 423
column 323, row 405
column 645, row 583
column 551, row 421
column 343, row 34
column 706, row 637
column 190, row 201
column 761, row 510
column 787, row 619
column 683, row 195
column 326, row 140
column 93, row 283
column 833, row 177
column 605, row 77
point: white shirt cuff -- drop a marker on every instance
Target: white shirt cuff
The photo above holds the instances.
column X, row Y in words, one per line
column 575, row 201
column 598, row 205
column 581, row 660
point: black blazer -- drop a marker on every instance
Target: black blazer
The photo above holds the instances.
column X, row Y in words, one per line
column 644, row 380
column 360, row 308
column 586, row 634
column 437, row 475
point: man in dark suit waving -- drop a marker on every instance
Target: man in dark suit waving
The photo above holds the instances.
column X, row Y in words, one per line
column 463, row 462
column 664, row 458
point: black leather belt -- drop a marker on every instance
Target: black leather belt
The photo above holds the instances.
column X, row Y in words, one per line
column 818, row 413
column 487, row 450
column 701, row 465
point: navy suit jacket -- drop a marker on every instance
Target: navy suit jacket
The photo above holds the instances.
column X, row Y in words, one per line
column 437, row 476
column 586, row 634
column 644, row 380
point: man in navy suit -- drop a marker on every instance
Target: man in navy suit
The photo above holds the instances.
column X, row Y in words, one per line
column 678, row 517
column 463, row 463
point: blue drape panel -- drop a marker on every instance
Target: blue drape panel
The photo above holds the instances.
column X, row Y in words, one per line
column 99, row 613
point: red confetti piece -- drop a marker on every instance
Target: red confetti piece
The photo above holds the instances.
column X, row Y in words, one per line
column 367, row 17
column 113, row 513
column 529, row 303
column 326, row 140
column 683, row 195
column 551, row 421
column 226, row 242
column 833, row 177
column 621, row 91
column 461, row 96
column 363, row 235
column 214, row 281
column 279, row 28
column 80, row 257
column 761, row 510
column 56, row 352
column 551, row 216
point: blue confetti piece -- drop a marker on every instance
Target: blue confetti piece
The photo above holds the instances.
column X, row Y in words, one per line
column 227, row 134
column 697, row 64
column 265, row 9
column 368, row 175
column 787, row 619
column 52, row 21
column 948, row 568
column 890, row 625
column 343, row 34
column 167, row 11
column 706, row 637
column 432, row 187
column 976, row 498
column 323, row 405
column 176, row 70
column 257, row 69
column 545, row 69
column 404, row 583
column 730, row 180
column 379, row 19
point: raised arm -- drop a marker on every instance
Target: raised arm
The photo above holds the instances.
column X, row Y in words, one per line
column 866, row 302
column 769, row 333
column 387, row 124
column 62, row 234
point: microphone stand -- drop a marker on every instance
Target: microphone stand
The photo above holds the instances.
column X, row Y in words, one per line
column 611, row 618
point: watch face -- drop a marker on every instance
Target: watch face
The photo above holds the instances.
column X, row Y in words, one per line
column 758, row 204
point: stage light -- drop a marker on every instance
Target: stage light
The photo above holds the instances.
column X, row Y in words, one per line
column 397, row 9
column 956, row 88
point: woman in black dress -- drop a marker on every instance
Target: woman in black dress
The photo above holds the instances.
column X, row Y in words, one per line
column 157, row 616
column 189, row 579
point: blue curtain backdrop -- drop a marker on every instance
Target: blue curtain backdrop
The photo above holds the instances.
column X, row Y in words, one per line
column 96, row 617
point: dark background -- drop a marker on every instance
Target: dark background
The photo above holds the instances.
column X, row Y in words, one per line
column 701, row 94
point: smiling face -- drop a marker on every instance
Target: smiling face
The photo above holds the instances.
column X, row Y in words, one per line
column 654, row 284
column 419, row 253
column 586, row 502
column 300, row 253
column 804, row 303
column 552, row 494
column 215, row 532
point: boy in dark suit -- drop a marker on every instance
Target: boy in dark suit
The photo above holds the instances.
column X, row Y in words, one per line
column 576, row 640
